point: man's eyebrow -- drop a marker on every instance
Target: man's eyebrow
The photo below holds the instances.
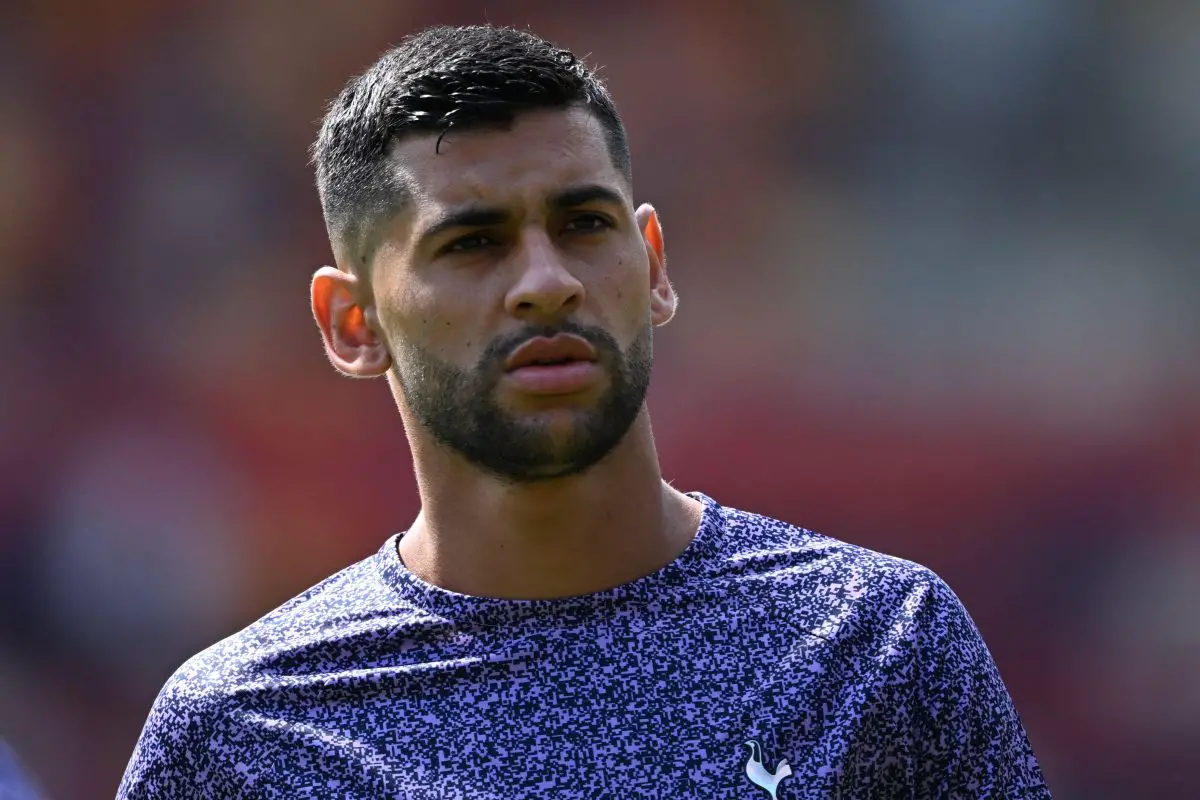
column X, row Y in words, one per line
column 582, row 195
column 468, row 217
column 487, row 216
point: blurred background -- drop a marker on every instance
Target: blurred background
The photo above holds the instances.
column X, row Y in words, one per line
column 940, row 297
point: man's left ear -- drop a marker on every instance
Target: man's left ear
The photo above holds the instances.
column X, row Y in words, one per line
column 663, row 299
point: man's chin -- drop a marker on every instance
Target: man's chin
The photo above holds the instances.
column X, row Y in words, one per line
column 545, row 474
column 546, row 457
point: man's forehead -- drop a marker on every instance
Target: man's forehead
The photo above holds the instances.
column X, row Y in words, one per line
column 535, row 157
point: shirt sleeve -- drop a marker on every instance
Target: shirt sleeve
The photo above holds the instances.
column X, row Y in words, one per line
column 171, row 756
column 970, row 742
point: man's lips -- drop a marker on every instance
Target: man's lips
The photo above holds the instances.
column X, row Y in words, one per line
column 562, row 364
column 541, row 351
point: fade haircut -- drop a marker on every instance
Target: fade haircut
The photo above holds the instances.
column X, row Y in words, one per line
column 435, row 81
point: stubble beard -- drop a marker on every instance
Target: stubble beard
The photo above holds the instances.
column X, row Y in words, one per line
column 460, row 409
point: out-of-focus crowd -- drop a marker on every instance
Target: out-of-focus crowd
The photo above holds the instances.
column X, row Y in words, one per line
column 940, row 297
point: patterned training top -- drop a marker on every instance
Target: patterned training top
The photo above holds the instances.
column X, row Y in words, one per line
column 765, row 661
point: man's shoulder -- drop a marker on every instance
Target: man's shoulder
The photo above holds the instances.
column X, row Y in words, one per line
column 822, row 583
column 200, row 713
column 299, row 635
column 754, row 537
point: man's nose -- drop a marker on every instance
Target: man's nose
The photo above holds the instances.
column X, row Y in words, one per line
column 545, row 289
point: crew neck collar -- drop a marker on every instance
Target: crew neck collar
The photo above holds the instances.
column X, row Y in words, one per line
column 440, row 602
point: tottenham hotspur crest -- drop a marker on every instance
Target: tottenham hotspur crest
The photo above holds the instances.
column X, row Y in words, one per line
column 758, row 774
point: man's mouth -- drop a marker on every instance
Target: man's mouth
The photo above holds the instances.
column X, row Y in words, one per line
column 559, row 365
column 547, row 352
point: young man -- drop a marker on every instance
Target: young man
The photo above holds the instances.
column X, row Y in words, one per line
column 558, row 621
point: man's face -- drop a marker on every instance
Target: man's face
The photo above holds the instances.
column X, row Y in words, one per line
column 516, row 295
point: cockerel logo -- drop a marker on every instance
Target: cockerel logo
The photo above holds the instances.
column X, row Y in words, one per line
column 758, row 774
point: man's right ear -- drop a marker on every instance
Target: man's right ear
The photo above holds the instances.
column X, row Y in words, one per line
column 353, row 346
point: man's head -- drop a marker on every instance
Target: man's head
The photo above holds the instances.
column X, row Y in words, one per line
column 477, row 192
column 441, row 79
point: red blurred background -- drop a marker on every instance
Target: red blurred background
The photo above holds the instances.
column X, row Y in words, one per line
column 940, row 297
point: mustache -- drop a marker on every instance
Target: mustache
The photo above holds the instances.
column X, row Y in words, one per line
column 501, row 347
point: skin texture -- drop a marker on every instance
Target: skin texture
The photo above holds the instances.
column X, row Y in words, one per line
column 523, row 495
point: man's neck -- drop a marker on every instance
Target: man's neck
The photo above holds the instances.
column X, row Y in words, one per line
column 480, row 536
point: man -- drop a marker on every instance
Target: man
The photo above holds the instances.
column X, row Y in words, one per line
column 558, row 621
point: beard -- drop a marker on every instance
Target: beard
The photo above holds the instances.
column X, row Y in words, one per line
column 460, row 408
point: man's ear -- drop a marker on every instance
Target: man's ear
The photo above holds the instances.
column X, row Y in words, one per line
column 663, row 300
column 352, row 341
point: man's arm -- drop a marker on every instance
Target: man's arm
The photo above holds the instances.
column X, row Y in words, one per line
column 970, row 741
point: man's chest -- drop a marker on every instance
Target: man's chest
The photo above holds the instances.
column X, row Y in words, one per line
column 526, row 722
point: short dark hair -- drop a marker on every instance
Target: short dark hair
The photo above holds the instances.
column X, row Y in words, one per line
column 439, row 79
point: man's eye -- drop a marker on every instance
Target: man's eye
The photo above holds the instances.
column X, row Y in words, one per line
column 588, row 223
column 465, row 243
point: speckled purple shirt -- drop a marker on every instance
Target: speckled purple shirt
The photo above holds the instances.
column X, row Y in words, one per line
column 765, row 661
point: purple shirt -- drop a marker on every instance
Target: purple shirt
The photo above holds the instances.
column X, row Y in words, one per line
column 765, row 661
